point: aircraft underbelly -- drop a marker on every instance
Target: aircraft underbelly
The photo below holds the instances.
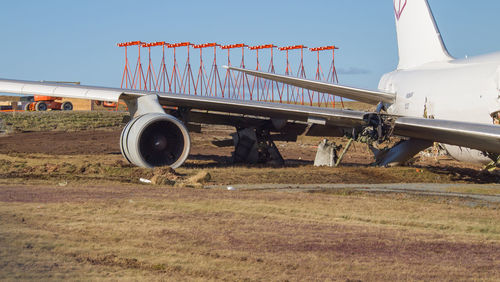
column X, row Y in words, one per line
column 466, row 155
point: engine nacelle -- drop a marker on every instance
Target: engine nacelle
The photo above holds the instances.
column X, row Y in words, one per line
column 155, row 139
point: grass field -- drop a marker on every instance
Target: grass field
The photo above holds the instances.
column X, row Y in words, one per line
column 59, row 121
column 143, row 232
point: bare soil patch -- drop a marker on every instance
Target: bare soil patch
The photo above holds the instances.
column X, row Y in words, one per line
column 94, row 155
column 92, row 142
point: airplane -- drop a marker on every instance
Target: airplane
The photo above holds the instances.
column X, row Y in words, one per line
column 430, row 97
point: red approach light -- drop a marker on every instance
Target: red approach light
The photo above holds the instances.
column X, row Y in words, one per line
column 333, row 47
column 181, row 44
column 153, row 44
column 266, row 46
column 131, row 43
column 231, row 46
column 206, row 45
column 292, row 47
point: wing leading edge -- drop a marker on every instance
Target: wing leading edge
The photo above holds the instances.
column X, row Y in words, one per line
column 60, row 90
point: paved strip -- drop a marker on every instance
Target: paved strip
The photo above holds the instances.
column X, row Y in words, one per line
column 430, row 189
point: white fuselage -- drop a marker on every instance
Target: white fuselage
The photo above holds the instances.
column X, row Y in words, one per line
column 461, row 90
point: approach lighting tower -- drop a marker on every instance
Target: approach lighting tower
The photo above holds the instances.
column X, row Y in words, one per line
column 236, row 84
column 332, row 75
column 290, row 90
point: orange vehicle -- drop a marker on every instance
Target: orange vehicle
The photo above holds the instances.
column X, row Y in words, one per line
column 43, row 103
column 106, row 104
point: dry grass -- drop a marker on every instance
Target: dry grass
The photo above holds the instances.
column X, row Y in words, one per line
column 153, row 233
column 317, row 175
column 59, row 120
column 81, row 120
column 111, row 168
column 474, row 189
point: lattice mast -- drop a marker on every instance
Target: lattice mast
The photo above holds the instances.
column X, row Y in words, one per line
column 162, row 78
column 150, row 78
column 126, row 79
column 138, row 78
column 176, row 79
column 332, row 75
column 261, row 84
column 294, row 94
column 234, row 86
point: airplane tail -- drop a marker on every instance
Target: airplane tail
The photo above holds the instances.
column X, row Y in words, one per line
column 419, row 40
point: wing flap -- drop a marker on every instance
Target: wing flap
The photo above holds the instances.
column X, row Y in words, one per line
column 361, row 95
column 337, row 117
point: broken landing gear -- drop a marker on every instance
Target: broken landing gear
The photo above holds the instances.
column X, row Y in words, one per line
column 253, row 145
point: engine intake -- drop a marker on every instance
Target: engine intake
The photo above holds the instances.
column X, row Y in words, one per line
column 155, row 139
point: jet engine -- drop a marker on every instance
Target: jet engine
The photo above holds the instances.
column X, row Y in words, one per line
column 155, row 139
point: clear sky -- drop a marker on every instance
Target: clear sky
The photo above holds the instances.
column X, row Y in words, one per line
column 76, row 40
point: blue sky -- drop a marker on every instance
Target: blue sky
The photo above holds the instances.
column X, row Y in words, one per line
column 76, row 40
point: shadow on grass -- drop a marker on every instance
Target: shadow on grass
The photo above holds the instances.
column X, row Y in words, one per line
column 213, row 161
column 465, row 174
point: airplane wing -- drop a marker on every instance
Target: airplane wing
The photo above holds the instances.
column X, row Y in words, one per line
column 282, row 111
column 60, row 90
column 482, row 137
column 361, row 95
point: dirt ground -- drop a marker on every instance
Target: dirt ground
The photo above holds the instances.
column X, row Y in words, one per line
column 95, row 142
column 62, row 143
column 101, row 148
